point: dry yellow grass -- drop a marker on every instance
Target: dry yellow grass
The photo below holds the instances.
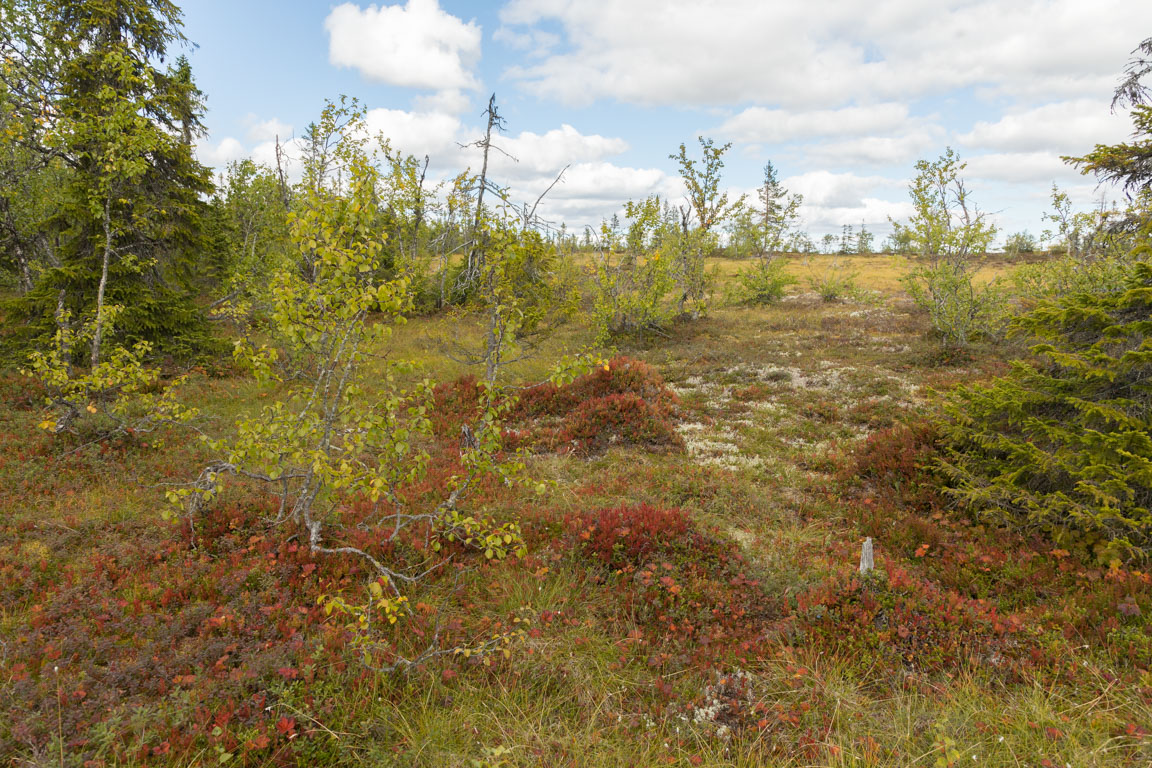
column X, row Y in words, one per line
column 875, row 272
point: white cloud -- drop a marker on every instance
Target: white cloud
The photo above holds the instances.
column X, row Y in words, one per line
column 219, row 155
column 836, row 190
column 902, row 149
column 292, row 150
column 873, row 212
column 534, row 42
column 592, row 191
column 826, row 53
column 551, row 151
column 229, row 149
column 1067, row 127
column 1021, row 167
column 267, row 130
column 416, row 45
column 591, row 188
column 873, row 135
column 834, row 199
column 450, row 102
column 758, row 124
column 417, row 133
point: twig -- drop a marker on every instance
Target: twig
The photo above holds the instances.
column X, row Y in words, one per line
column 532, row 214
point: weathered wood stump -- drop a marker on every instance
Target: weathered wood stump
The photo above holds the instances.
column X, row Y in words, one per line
column 866, row 563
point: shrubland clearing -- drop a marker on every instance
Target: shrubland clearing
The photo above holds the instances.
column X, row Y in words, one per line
column 692, row 601
column 364, row 467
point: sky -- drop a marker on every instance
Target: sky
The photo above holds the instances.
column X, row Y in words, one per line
column 841, row 96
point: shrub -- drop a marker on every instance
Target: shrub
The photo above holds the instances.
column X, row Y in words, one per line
column 899, row 620
column 961, row 310
column 454, row 405
column 621, row 375
column 949, row 232
column 624, row 375
column 632, row 279
column 629, row 297
column 1058, row 277
column 623, row 402
column 618, row 418
column 897, row 465
column 324, row 446
column 627, row 534
column 895, row 455
column 1062, row 444
column 118, row 397
column 677, row 586
column 1020, row 242
column 765, row 282
column 835, row 283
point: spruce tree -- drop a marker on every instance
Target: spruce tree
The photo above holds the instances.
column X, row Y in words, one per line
column 129, row 218
column 1064, row 444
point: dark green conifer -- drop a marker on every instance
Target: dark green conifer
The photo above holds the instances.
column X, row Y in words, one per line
column 129, row 219
column 1064, row 444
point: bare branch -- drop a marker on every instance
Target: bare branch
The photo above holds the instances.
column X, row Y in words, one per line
column 532, row 214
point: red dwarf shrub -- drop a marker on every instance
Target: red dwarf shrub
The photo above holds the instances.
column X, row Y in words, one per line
column 681, row 590
column 897, row 463
column 897, row 454
column 627, row 534
column 905, row 621
column 622, row 375
column 819, row 410
column 624, row 402
column 454, row 404
column 544, row 399
column 753, row 393
column 624, row 418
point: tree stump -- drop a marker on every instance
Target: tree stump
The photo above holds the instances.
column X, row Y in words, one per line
column 866, row 563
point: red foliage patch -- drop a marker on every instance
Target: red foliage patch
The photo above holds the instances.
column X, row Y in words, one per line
column 597, row 424
column 627, row 534
column 896, row 454
column 906, row 621
column 622, row 375
column 455, row 404
column 896, row 462
column 682, row 592
column 625, row 402
column 228, row 624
